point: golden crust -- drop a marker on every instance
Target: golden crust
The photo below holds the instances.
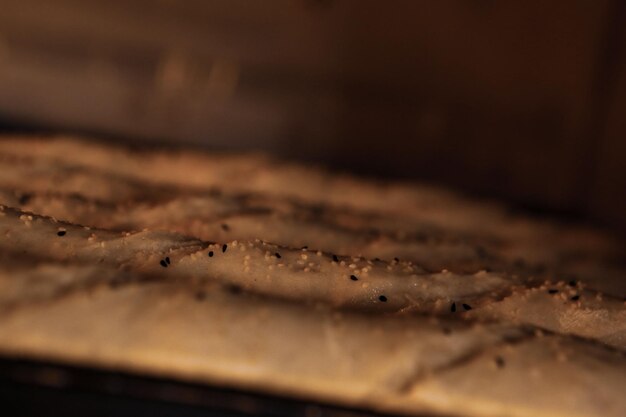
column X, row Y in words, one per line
column 192, row 265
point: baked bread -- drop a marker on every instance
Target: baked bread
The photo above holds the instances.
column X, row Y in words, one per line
column 250, row 272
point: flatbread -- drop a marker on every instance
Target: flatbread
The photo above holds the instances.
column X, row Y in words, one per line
column 244, row 271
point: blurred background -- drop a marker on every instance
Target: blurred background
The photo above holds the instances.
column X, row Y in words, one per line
column 522, row 100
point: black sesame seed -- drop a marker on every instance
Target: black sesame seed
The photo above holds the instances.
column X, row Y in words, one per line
column 25, row 198
column 234, row 289
column 225, row 227
column 224, row 247
column 572, row 283
column 382, row 298
column 553, row 291
column 277, row 255
column 499, row 361
column 376, row 259
column 453, row 308
column 210, row 254
column 396, row 259
column 305, row 247
column 467, row 307
column 61, row 233
column 167, row 259
column 353, row 278
column 575, row 298
column 163, row 263
column 335, row 258
column 116, row 282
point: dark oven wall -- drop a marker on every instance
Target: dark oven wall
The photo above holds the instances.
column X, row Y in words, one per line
column 521, row 100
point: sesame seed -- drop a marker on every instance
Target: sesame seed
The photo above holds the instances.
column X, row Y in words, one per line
column 163, row 263
column 167, row 259
column 210, row 254
column 575, row 298
column 453, row 307
column 225, row 227
column 467, row 307
column 396, row 259
column 335, row 258
column 224, row 247
column 61, row 233
column 553, row 291
column 499, row 361
column 572, row 283
column 277, row 255
column 383, row 298
column 25, row 198
column 234, row 289
column 353, row 278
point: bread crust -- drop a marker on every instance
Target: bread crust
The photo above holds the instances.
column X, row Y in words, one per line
column 405, row 299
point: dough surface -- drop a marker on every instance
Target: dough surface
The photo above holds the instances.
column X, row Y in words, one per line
column 245, row 271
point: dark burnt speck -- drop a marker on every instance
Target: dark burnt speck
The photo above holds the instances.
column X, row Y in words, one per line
column 225, row 227
column 572, row 283
column 575, row 298
column 553, row 291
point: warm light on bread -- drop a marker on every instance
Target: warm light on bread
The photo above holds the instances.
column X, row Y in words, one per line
column 249, row 272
